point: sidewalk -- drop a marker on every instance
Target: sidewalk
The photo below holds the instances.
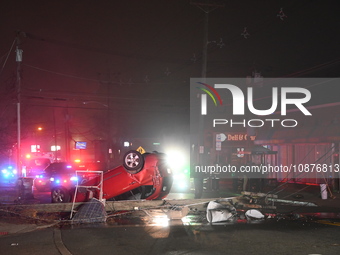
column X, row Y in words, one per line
column 12, row 228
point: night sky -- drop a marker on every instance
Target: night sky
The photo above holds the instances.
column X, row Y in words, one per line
column 143, row 53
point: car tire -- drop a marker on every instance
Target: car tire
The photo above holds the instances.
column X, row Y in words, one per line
column 133, row 162
column 60, row 195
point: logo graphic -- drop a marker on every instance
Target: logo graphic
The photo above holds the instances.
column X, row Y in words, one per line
column 239, row 99
column 204, row 97
column 278, row 102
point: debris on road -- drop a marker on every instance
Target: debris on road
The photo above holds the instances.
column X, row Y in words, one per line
column 220, row 211
column 90, row 212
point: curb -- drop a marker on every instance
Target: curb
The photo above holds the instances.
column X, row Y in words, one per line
column 59, row 242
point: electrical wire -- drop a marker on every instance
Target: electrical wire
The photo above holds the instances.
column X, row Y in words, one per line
column 9, row 52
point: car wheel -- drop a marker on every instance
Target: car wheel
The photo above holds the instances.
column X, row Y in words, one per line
column 60, row 195
column 133, row 162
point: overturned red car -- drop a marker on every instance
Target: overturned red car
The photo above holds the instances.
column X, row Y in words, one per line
column 141, row 176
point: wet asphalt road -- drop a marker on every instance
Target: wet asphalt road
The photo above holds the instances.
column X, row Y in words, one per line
column 271, row 237
column 137, row 235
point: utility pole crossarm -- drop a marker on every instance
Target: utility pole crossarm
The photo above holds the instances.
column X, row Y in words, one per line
column 206, row 6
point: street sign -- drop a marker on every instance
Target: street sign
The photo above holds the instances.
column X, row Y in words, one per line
column 141, row 150
column 219, row 139
column 218, row 146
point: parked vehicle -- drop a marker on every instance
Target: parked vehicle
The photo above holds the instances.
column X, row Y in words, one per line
column 141, row 176
column 64, row 172
column 36, row 166
column 42, row 182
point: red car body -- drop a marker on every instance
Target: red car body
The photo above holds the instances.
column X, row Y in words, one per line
column 144, row 176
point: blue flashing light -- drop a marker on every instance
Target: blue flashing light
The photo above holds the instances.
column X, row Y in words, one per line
column 74, row 178
column 8, row 172
column 57, row 181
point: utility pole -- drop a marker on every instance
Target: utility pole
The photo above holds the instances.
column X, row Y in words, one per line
column 55, row 137
column 207, row 7
column 67, row 135
column 18, row 52
column 109, row 151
